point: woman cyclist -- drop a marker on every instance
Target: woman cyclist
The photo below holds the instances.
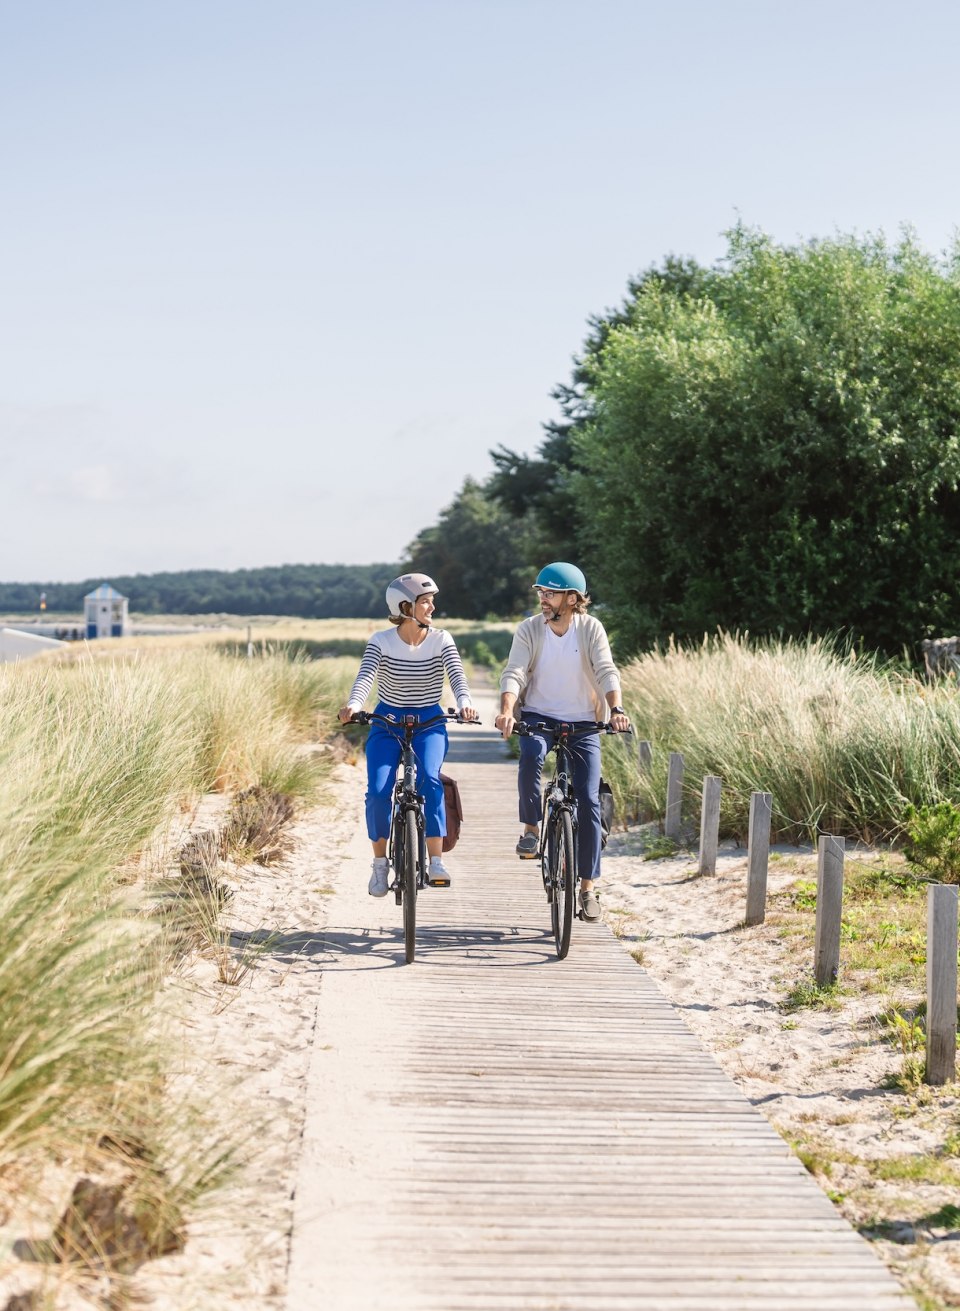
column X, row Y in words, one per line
column 408, row 663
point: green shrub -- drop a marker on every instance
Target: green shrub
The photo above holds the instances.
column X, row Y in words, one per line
column 488, row 647
column 933, row 840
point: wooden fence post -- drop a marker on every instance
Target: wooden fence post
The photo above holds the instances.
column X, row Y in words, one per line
column 644, row 769
column 941, row 1063
column 826, row 952
column 709, row 824
column 758, row 855
column 671, row 822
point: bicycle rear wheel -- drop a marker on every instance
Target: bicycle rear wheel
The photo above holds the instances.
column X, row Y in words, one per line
column 408, row 876
column 563, row 880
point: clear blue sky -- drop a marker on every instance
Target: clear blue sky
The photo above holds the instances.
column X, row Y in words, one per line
column 277, row 276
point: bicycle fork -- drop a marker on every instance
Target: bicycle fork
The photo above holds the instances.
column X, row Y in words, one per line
column 403, row 809
column 555, row 803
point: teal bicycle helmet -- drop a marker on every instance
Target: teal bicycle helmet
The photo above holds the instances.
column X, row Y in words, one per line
column 562, row 577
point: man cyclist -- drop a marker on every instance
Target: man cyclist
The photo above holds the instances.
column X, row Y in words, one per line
column 560, row 670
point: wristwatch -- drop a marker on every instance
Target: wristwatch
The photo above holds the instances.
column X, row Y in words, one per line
column 617, row 710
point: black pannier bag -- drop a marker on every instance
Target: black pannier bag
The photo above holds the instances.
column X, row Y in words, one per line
column 606, row 811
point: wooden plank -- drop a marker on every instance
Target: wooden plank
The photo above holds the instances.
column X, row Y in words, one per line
column 674, row 806
column 709, row 824
column 758, row 856
column 644, row 770
column 826, row 950
column 941, row 1043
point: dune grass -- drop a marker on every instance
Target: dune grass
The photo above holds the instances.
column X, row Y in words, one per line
column 843, row 742
column 96, row 757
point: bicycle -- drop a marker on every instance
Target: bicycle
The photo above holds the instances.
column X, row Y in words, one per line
column 407, row 849
column 557, row 844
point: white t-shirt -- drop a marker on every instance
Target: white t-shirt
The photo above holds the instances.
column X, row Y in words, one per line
column 557, row 685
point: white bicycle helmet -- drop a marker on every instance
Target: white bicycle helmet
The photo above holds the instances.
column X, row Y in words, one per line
column 407, row 588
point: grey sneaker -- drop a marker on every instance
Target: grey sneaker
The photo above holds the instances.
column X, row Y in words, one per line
column 589, row 904
column 437, row 875
column 377, row 887
column 527, row 846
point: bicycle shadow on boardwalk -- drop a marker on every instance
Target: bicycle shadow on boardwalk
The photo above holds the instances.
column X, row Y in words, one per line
column 362, row 948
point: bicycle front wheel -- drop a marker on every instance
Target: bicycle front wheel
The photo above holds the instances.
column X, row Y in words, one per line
column 395, row 855
column 408, row 875
column 563, row 880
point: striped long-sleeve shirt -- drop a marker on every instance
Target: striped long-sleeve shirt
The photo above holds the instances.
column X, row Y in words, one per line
column 410, row 675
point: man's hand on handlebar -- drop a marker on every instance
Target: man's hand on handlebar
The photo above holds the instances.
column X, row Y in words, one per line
column 505, row 724
column 523, row 729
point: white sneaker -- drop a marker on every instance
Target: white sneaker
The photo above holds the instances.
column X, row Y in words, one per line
column 377, row 887
column 437, row 875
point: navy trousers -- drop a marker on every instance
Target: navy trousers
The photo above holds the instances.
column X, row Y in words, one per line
column 585, row 776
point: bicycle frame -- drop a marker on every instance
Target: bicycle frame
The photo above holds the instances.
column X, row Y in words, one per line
column 406, row 798
column 559, row 791
column 560, row 787
column 407, row 819
column 559, row 822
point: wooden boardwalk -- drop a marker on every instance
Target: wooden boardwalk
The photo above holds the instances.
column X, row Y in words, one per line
column 491, row 1128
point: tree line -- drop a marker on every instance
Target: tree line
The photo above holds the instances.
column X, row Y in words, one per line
column 312, row 591
column 768, row 445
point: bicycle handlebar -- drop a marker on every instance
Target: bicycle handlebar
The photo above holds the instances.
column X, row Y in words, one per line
column 391, row 721
column 567, row 730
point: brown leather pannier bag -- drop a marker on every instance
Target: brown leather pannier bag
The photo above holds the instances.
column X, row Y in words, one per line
column 454, row 808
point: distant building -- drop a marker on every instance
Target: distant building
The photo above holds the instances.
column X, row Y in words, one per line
column 105, row 612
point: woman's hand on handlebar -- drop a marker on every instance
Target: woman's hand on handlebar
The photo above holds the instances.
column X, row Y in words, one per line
column 344, row 714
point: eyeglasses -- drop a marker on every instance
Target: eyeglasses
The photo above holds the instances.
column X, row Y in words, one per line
column 549, row 591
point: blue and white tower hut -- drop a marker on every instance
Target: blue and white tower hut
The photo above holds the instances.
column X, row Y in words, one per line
column 105, row 612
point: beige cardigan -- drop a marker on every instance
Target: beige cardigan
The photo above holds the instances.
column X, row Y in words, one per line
column 599, row 671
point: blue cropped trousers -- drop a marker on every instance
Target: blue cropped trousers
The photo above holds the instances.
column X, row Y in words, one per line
column 383, row 757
